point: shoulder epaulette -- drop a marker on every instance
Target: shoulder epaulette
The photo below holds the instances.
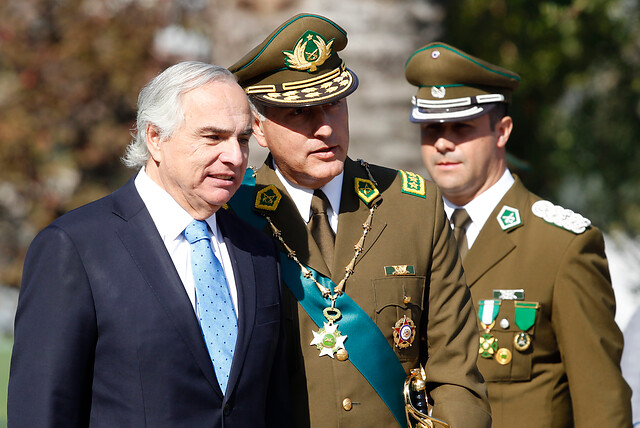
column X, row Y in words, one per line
column 413, row 184
column 560, row 217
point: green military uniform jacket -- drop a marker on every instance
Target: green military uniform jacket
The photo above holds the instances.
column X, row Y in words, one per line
column 570, row 374
column 406, row 230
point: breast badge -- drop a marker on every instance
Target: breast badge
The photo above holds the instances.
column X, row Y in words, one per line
column 404, row 332
column 503, row 356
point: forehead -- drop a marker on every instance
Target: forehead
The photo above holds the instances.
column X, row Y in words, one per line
column 219, row 94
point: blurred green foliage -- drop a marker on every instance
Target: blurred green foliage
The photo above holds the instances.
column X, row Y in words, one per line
column 70, row 72
column 69, row 79
column 577, row 110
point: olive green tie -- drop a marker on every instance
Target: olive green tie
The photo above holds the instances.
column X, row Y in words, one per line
column 460, row 219
column 319, row 226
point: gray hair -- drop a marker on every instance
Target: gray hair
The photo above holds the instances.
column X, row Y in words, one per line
column 258, row 109
column 160, row 104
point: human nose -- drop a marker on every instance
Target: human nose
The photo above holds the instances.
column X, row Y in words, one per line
column 323, row 127
column 443, row 145
column 234, row 152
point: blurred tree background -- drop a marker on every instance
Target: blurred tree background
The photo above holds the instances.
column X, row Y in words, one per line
column 577, row 111
column 70, row 72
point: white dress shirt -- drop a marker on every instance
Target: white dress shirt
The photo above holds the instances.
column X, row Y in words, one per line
column 171, row 220
column 480, row 208
column 302, row 198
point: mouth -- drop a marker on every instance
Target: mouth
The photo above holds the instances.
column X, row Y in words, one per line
column 222, row 179
column 328, row 151
column 447, row 164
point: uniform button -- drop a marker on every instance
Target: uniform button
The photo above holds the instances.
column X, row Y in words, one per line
column 504, row 323
column 226, row 410
column 347, row 404
column 342, row 355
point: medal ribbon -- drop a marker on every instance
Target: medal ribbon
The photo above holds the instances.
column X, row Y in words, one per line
column 363, row 334
column 488, row 311
column 525, row 315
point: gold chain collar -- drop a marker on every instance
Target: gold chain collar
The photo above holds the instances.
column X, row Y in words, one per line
column 349, row 268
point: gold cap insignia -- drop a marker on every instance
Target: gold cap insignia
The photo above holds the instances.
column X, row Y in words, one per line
column 366, row 190
column 268, row 198
column 310, row 52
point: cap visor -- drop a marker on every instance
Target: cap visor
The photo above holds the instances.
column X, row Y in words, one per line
column 453, row 114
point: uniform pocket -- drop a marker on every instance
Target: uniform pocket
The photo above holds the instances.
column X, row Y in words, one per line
column 396, row 297
column 515, row 363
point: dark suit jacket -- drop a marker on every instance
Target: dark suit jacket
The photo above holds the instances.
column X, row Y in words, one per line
column 570, row 374
column 106, row 336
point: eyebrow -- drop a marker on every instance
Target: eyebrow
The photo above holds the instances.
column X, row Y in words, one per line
column 216, row 130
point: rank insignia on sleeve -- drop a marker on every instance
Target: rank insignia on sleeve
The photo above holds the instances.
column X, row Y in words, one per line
column 508, row 218
column 561, row 217
column 268, row 198
column 413, row 184
column 366, row 190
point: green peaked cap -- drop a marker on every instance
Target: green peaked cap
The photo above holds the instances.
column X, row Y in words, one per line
column 297, row 65
column 453, row 85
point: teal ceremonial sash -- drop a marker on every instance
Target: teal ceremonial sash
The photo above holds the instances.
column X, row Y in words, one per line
column 369, row 350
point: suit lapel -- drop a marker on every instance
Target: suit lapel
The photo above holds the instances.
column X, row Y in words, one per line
column 141, row 238
column 493, row 244
column 246, row 281
column 287, row 219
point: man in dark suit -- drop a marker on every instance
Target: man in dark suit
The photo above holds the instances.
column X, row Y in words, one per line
column 113, row 327
column 549, row 347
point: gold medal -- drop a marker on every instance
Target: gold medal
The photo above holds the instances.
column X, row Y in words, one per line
column 404, row 332
column 522, row 341
column 488, row 345
column 503, row 356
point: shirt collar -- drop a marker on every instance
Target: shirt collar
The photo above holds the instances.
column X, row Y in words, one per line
column 169, row 217
column 481, row 207
column 302, row 196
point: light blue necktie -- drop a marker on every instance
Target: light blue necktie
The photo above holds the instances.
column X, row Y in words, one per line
column 218, row 319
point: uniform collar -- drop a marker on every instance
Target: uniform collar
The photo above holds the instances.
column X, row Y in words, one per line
column 481, row 207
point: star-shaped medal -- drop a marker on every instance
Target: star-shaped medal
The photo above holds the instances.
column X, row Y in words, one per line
column 404, row 332
column 328, row 339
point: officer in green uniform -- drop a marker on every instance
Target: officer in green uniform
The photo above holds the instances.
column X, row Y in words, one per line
column 549, row 347
column 373, row 277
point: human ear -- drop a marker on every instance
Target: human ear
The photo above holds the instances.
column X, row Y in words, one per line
column 258, row 131
column 154, row 141
column 503, row 130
